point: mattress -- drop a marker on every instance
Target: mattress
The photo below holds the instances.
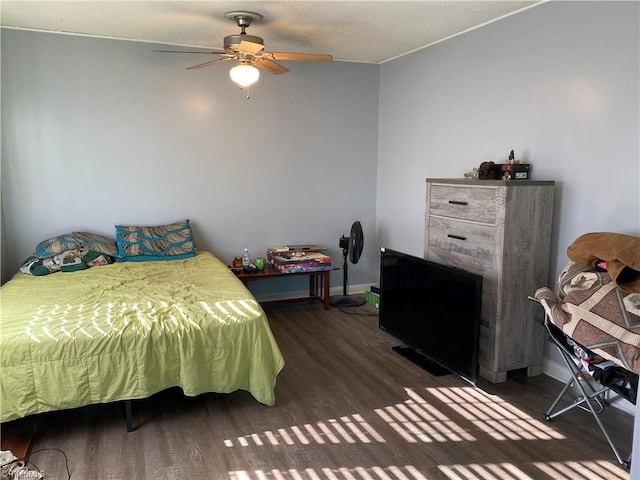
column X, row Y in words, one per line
column 129, row 330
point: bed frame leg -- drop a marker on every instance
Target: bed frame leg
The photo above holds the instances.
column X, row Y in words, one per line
column 128, row 416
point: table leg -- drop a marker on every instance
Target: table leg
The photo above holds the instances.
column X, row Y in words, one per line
column 318, row 286
column 313, row 288
column 325, row 287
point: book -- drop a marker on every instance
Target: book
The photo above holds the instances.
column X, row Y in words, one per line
column 279, row 248
column 297, row 248
column 307, row 248
column 304, row 267
column 283, row 258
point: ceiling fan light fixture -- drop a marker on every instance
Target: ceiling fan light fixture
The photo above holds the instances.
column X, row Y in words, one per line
column 244, row 74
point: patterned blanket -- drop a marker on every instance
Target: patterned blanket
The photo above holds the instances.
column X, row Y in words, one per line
column 70, row 252
column 594, row 312
column 68, row 261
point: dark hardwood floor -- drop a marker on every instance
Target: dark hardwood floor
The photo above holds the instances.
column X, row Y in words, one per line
column 347, row 408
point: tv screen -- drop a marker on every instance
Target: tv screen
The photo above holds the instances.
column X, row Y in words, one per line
column 433, row 309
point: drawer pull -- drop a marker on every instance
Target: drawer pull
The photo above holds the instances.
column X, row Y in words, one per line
column 457, row 202
column 457, row 237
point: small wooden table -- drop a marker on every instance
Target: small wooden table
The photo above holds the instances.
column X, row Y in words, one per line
column 318, row 284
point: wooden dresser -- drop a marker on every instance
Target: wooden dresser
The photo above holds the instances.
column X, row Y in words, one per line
column 502, row 231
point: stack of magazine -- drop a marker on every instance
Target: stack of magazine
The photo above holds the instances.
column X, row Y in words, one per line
column 299, row 258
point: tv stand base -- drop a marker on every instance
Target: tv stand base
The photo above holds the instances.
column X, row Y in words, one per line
column 422, row 361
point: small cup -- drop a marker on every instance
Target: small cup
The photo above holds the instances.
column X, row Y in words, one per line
column 237, row 262
column 260, row 263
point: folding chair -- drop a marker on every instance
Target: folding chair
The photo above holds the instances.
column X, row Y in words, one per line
column 591, row 396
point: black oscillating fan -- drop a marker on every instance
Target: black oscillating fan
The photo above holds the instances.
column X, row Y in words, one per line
column 351, row 247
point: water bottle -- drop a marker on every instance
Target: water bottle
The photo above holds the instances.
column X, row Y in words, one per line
column 246, row 260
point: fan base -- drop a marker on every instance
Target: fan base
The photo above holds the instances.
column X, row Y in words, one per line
column 345, row 301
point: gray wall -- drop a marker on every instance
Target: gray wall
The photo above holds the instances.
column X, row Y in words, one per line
column 558, row 83
column 99, row 132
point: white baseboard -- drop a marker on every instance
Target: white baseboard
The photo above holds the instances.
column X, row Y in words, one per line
column 555, row 370
column 353, row 289
column 269, row 297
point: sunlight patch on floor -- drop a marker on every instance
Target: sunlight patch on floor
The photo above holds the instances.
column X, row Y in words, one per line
column 346, row 429
column 419, row 419
column 416, row 424
column 407, row 472
column 474, row 471
column 493, row 415
column 593, row 470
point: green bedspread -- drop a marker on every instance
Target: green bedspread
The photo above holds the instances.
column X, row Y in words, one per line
column 128, row 330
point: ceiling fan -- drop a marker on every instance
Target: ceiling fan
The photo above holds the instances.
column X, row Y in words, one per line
column 249, row 53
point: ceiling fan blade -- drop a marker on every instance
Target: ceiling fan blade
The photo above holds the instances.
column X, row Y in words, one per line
column 213, row 52
column 250, row 47
column 212, row 62
column 270, row 66
column 300, row 57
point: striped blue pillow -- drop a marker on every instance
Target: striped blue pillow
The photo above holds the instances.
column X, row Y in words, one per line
column 159, row 242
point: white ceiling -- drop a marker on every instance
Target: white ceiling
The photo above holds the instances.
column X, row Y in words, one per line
column 355, row 31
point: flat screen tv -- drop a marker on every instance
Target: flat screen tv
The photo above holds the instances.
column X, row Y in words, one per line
column 434, row 310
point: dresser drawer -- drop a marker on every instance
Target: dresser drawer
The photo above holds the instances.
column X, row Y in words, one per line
column 467, row 203
column 466, row 245
column 463, row 238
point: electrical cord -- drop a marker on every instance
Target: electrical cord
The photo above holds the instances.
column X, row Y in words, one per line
column 66, row 459
column 25, row 468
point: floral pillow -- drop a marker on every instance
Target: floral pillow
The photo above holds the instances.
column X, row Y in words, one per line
column 158, row 242
column 77, row 241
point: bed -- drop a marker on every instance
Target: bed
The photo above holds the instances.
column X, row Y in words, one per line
column 128, row 330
